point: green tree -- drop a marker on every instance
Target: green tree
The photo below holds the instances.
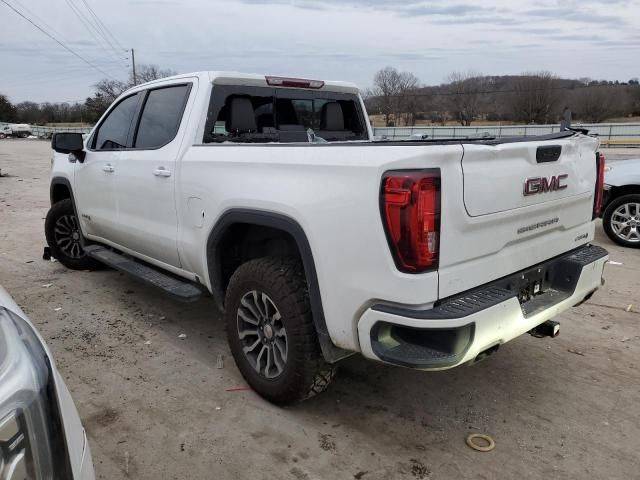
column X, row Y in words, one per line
column 7, row 110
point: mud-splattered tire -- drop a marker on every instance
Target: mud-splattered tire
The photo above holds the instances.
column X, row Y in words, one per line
column 63, row 237
column 271, row 333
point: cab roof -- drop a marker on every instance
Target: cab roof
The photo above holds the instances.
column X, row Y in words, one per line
column 253, row 79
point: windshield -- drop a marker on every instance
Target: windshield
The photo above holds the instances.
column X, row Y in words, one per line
column 265, row 114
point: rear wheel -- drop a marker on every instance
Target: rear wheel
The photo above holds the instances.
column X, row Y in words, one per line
column 621, row 220
column 2, row 135
column 271, row 333
column 63, row 235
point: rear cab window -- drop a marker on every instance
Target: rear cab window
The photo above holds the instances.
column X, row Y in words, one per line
column 246, row 114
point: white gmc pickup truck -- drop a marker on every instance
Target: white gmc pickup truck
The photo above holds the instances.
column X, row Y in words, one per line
column 271, row 195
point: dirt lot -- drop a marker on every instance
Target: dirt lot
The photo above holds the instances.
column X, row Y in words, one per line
column 162, row 411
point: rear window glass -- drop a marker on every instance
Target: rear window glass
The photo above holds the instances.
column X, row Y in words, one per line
column 264, row 114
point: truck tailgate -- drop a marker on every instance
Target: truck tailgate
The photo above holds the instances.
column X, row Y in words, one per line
column 516, row 175
column 511, row 211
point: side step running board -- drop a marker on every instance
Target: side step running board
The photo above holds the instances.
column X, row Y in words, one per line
column 180, row 289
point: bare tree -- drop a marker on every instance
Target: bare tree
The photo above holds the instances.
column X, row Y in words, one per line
column 633, row 94
column 463, row 95
column 110, row 89
column 534, row 97
column 407, row 101
column 595, row 104
column 386, row 86
column 147, row 73
column 393, row 95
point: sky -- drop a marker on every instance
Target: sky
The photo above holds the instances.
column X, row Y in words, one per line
column 331, row 39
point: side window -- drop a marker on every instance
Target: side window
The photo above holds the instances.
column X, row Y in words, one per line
column 161, row 116
column 114, row 130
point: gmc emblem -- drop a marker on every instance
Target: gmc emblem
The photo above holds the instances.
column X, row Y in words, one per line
column 535, row 185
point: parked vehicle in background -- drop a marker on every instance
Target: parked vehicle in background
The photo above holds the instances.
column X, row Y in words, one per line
column 5, row 131
column 621, row 215
column 316, row 241
column 41, row 435
column 18, row 130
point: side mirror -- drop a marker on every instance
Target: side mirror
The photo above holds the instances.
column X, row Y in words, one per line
column 67, row 142
column 71, row 143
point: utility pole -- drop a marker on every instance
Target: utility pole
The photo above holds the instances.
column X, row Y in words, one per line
column 133, row 64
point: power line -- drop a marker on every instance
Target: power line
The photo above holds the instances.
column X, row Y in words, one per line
column 91, row 28
column 56, row 40
column 35, row 15
column 100, row 28
column 101, row 24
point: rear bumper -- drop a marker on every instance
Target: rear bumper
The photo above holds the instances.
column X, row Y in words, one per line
column 459, row 329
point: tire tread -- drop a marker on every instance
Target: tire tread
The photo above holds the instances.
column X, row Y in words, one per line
column 312, row 374
column 58, row 209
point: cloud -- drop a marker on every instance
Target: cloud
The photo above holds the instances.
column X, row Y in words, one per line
column 580, row 15
column 410, row 7
column 339, row 39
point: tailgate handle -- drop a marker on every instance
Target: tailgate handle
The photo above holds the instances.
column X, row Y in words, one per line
column 549, row 153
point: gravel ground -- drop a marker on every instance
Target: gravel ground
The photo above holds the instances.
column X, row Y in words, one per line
column 557, row 408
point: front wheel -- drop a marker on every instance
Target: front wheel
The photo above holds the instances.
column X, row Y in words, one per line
column 621, row 220
column 63, row 235
column 271, row 333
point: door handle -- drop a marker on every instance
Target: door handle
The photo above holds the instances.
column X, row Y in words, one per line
column 161, row 172
column 108, row 168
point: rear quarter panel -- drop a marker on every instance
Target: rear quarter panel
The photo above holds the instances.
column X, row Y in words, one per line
column 332, row 192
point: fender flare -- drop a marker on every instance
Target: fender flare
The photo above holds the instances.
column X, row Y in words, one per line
column 278, row 221
column 61, row 181
column 65, row 181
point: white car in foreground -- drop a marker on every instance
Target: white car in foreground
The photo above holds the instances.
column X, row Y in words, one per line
column 41, row 436
column 621, row 212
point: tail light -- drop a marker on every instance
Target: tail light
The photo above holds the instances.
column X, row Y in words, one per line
column 597, row 201
column 410, row 203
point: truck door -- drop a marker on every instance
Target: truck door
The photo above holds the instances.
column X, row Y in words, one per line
column 147, row 219
column 95, row 178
